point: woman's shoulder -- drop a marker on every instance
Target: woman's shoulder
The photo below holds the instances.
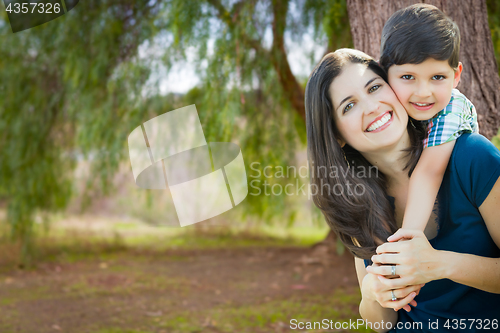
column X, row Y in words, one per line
column 475, row 164
column 472, row 147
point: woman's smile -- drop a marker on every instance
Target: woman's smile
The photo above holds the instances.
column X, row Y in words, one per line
column 380, row 123
column 367, row 113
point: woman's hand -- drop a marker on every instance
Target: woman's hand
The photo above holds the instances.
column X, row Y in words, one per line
column 415, row 260
column 374, row 289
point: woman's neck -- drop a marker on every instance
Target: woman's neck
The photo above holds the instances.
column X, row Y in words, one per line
column 392, row 161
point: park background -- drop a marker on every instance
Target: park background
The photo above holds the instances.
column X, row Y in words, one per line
column 83, row 249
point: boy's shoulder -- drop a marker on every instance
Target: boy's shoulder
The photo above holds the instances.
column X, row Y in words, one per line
column 459, row 103
column 456, row 94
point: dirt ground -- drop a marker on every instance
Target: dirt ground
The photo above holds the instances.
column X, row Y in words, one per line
column 215, row 290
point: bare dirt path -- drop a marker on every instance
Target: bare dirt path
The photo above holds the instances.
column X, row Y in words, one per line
column 236, row 290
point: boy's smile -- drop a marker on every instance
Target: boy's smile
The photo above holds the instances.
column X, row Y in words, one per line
column 424, row 89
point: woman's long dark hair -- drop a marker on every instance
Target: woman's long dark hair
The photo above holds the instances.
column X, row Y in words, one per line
column 362, row 219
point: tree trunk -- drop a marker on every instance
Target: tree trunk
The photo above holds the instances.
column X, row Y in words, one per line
column 291, row 87
column 480, row 81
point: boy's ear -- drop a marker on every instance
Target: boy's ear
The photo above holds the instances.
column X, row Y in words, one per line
column 458, row 72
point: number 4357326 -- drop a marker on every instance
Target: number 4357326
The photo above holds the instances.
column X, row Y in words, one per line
column 462, row 324
column 34, row 7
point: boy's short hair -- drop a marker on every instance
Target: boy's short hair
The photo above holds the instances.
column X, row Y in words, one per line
column 418, row 32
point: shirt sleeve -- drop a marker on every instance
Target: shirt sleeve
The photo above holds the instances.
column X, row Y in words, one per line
column 477, row 162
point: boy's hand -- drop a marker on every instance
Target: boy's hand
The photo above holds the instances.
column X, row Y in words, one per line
column 398, row 236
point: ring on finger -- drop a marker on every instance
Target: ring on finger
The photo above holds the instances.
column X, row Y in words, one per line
column 393, row 269
column 393, row 297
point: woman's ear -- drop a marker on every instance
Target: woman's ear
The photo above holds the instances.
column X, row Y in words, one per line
column 458, row 72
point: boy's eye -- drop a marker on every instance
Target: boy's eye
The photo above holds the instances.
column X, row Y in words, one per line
column 348, row 107
column 438, row 77
column 374, row 88
column 407, row 77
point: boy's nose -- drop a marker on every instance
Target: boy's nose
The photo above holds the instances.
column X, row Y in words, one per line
column 423, row 91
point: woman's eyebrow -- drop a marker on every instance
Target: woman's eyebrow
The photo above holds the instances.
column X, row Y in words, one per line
column 370, row 81
column 342, row 101
column 349, row 97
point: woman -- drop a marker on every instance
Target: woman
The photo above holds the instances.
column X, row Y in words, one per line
column 460, row 266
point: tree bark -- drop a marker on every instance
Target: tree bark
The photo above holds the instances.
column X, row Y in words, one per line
column 291, row 87
column 480, row 81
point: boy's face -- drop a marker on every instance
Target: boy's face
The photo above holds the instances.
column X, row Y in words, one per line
column 424, row 89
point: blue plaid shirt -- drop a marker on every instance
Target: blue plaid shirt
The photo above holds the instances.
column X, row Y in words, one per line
column 458, row 117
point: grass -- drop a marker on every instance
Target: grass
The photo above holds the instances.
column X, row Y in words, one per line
column 21, row 295
column 72, row 242
column 118, row 330
column 71, row 239
column 262, row 317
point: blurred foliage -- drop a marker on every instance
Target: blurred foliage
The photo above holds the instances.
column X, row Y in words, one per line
column 70, row 89
column 240, row 98
column 74, row 88
column 494, row 22
column 496, row 140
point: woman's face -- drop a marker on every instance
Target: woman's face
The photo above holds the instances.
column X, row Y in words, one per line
column 367, row 113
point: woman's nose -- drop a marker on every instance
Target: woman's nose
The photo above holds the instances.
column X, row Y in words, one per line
column 371, row 106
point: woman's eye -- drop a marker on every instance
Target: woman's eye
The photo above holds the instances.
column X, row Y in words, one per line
column 438, row 77
column 407, row 77
column 348, row 107
column 374, row 88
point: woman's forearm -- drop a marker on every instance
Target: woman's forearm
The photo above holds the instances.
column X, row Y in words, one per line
column 417, row 262
column 373, row 312
column 374, row 296
column 471, row 270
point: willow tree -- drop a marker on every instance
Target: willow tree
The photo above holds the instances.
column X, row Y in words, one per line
column 67, row 88
column 247, row 84
column 75, row 87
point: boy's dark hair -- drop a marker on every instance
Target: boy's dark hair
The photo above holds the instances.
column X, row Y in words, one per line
column 418, row 32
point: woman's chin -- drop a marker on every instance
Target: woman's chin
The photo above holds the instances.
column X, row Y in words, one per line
column 391, row 136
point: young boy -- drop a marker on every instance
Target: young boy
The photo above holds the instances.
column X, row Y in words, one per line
column 420, row 47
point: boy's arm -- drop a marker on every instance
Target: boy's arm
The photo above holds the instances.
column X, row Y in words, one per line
column 424, row 185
